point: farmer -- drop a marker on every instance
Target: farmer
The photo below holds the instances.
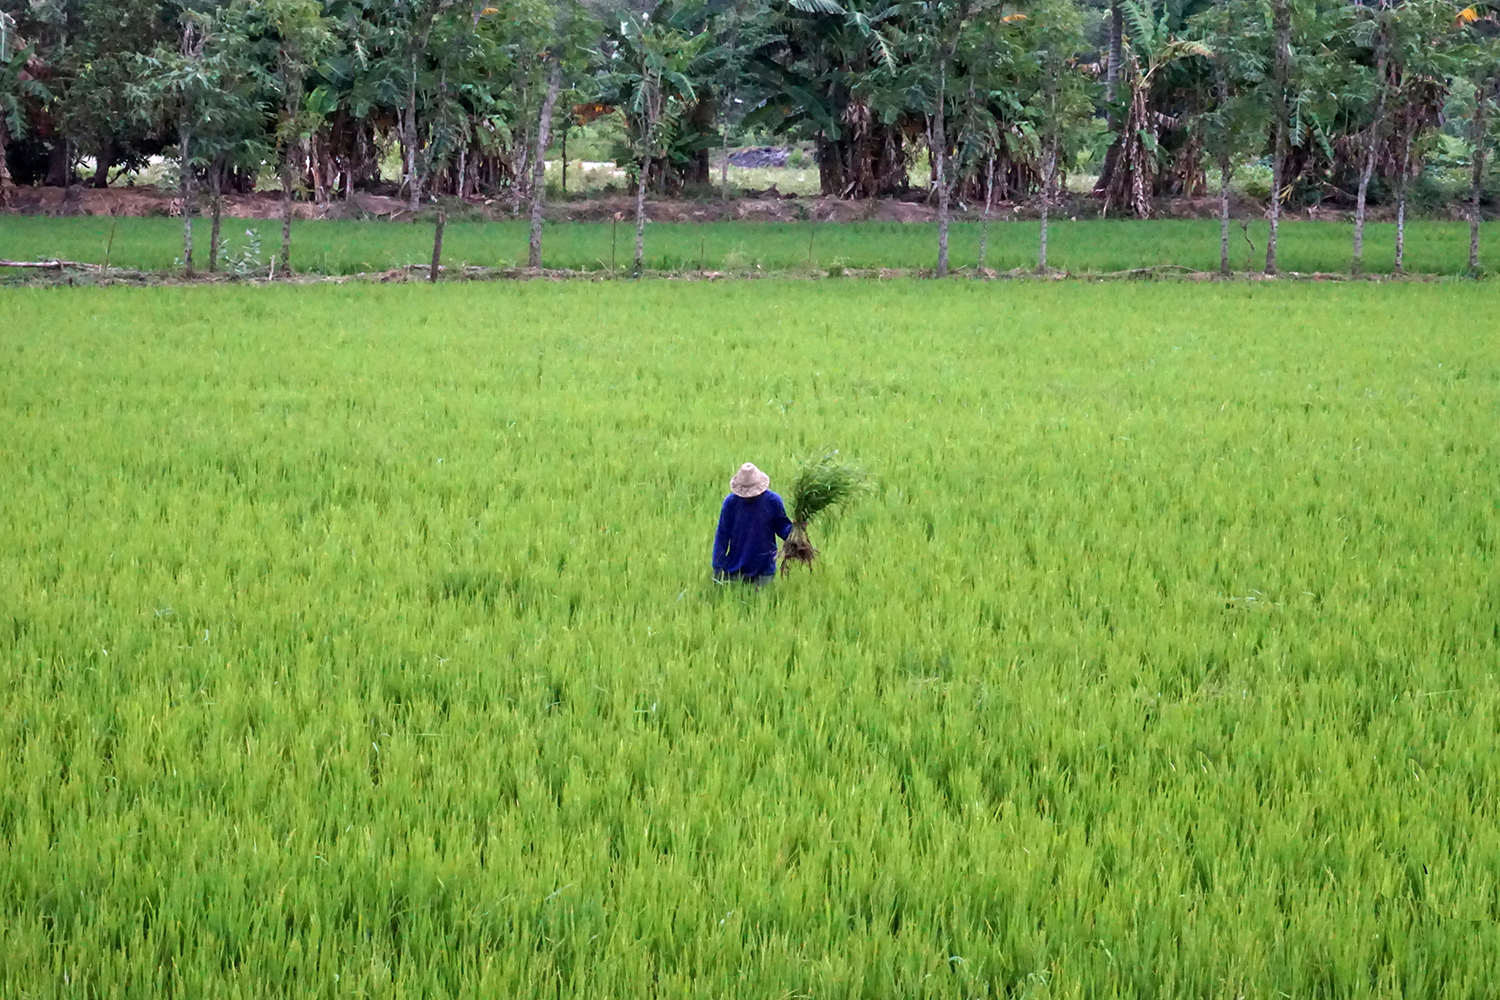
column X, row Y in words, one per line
column 749, row 523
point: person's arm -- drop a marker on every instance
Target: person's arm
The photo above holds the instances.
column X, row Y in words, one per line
column 721, row 538
column 780, row 523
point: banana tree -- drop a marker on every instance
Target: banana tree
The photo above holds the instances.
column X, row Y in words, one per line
column 16, row 84
column 1371, row 31
column 942, row 25
column 362, row 81
column 971, row 50
column 1482, row 67
column 1233, row 127
column 742, row 25
column 187, row 86
column 1062, row 101
column 836, row 73
column 661, row 69
column 231, row 127
column 649, row 63
column 1165, row 75
column 290, row 37
column 1306, row 89
column 1424, row 52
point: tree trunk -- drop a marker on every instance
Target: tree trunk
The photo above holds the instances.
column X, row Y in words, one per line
column 874, row 166
column 640, row 216
column 521, row 175
column 1400, row 265
column 59, row 163
column 939, row 146
column 437, row 244
column 183, row 158
column 1049, row 174
column 408, row 123
column 69, row 195
column 286, row 215
column 1112, row 71
column 1226, row 168
column 1406, row 144
column 5, row 180
column 315, row 167
column 1357, row 264
column 696, row 171
column 984, row 225
column 216, row 177
column 359, row 165
column 724, row 162
column 539, row 166
column 1281, row 16
column 521, row 167
column 1111, row 93
column 105, row 164
column 1226, row 173
column 1481, row 98
column 1280, row 147
column 830, row 168
column 413, row 174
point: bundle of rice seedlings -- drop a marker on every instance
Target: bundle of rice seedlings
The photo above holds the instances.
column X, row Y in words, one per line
column 822, row 483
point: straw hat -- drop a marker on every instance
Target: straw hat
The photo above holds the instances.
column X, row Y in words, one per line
column 749, row 482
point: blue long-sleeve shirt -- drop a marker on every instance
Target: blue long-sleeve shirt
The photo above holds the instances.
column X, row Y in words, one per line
column 745, row 543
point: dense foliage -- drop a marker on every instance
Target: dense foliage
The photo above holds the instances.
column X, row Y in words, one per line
column 998, row 96
column 987, row 91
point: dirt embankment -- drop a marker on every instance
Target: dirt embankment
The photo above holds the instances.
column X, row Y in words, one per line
column 766, row 206
column 769, row 206
column 148, row 201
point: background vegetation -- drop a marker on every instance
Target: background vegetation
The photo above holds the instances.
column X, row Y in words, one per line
column 1343, row 103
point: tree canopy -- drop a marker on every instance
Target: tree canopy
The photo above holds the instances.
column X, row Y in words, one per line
column 986, row 93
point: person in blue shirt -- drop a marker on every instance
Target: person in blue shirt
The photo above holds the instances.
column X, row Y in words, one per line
column 750, row 521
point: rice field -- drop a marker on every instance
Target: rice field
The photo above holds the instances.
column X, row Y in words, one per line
column 1089, row 245
column 361, row 641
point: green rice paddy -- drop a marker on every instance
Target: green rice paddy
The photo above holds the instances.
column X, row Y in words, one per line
column 361, row 641
column 328, row 247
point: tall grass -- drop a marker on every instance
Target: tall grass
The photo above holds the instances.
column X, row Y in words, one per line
column 1088, row 245
column 351, row 643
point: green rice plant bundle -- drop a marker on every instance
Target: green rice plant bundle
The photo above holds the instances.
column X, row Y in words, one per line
column 822, row 483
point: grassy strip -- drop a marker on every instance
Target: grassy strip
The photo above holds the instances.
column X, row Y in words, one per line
column 1084, row 246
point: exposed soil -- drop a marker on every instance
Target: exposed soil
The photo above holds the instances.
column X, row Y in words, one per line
column 147, row 201
column 56, row 273
column 766, row 206
column 763, row 206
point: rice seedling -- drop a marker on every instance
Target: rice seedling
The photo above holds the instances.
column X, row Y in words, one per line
column 824, row 482
column 361, row 641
